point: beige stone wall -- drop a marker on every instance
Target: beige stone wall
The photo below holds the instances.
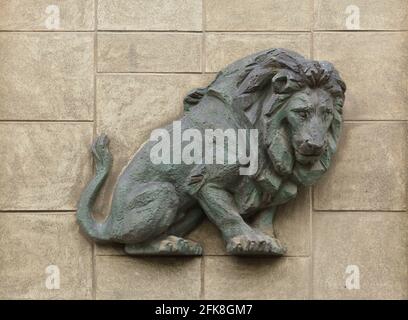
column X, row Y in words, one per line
column 122, row 67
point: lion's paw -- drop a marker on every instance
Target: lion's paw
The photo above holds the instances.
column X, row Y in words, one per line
column 179, row 246
column 168, row 246
column 255, row 245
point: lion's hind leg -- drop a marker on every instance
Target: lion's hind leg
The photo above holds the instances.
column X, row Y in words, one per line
column 173, row 243
column 151, row 224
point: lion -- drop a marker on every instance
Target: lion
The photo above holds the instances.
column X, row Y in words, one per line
column 296, row 106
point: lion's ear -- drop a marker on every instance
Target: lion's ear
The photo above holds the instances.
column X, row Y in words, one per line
column 280, row 151
column 280, row 82
column 286, row 81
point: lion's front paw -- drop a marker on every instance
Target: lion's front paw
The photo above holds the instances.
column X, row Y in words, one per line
column 255, row 245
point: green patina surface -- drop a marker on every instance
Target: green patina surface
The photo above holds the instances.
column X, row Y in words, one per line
column 296, row 106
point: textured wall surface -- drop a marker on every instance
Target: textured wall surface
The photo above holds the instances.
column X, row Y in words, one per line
column 122, row 67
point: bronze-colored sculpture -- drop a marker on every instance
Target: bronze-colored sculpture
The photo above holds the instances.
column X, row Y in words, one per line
column 296, row 106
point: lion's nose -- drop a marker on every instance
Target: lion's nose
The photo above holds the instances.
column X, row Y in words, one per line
column 312, row 147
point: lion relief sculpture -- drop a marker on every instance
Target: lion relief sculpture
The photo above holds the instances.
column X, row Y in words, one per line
column 295, row 104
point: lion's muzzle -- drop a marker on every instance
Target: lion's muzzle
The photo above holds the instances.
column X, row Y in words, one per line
column 312, row 147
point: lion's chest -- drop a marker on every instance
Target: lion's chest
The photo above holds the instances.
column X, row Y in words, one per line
column 266, row 190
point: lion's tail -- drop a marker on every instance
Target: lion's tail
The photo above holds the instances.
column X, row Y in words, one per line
column 103, row 159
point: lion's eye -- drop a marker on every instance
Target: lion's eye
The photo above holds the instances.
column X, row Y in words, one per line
column 329, row 111
column 302, row 113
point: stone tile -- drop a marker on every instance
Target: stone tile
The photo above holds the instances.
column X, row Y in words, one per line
column 259, row 15
column 225, row 48
column 149, row 52
column 369, row 170
column 37, row 14
column 148, row 278
column 292, row 224
column 374, row 14
column 292, row 227
column 371, row 65
column 182, row 15
column 375, row 243
column 256, row 278
column 30, row 243
column 110, row 249
column 46, row 76
column 129, row 107
column 44, row 166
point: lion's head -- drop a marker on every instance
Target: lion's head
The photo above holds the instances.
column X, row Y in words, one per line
column 309, row 115
column 295, row 102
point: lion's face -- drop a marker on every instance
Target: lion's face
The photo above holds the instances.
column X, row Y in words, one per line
column 309, row 115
